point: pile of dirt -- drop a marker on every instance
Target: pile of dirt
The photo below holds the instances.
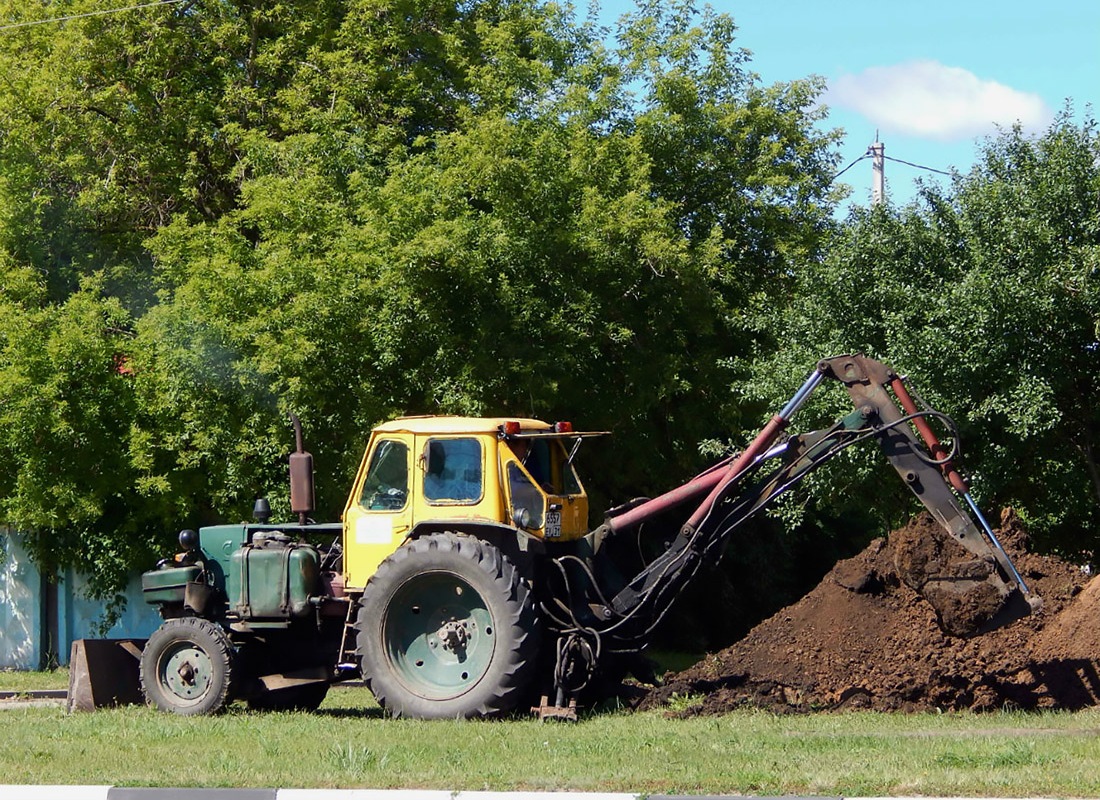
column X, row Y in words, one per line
column 864, row 638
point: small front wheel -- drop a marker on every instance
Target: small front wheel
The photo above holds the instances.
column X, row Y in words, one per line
column 187, row 667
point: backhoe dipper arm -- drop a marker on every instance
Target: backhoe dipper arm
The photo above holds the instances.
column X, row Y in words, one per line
column 930, row 479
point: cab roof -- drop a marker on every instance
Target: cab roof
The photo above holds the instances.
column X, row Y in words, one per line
column 447, row 424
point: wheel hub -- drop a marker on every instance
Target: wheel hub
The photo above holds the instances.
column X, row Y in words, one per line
column 454, row 635
column 187, row 672
column 439, row 636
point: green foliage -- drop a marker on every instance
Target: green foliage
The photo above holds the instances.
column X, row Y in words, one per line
column 985, row 293
column 65, row 405
column 359, row 208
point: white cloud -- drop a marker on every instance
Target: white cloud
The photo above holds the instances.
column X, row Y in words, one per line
column 933, row 101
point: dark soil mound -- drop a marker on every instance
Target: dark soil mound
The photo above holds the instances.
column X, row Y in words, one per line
column 864, row 638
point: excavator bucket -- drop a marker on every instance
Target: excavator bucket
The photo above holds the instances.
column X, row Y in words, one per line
column 970, row 590
column 104, row 672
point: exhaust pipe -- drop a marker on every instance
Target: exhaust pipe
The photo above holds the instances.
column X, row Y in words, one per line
column 301, row 476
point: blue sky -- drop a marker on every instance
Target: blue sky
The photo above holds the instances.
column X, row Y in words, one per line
column 933, row 78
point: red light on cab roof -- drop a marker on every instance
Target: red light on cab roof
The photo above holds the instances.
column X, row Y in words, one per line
column 563, row 427
column 511, row 428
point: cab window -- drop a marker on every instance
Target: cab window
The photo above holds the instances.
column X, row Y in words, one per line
column 452, row 472
column 546, row 462
column 527, row 500
column 569, row 478
column 539, row 466
column 386, row 487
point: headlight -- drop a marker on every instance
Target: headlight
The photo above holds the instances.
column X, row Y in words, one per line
column 189, row 540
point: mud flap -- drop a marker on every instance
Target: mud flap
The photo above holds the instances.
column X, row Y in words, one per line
column 103, row 673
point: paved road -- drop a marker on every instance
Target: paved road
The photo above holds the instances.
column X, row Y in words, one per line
column 30, row 699
column 119, row 793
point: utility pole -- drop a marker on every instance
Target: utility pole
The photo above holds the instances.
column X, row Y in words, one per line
column 878, row 178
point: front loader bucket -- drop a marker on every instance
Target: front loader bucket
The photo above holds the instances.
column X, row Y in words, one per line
column 104, row 672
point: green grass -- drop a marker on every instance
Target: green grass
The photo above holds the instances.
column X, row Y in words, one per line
column 349, row 744
column 22, row 681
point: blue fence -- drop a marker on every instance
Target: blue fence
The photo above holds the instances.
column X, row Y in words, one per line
column 40, row 619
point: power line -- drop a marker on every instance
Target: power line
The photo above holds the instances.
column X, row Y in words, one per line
column 918, row 166
column 88, row 14
column 863, row 157
column 869, row 154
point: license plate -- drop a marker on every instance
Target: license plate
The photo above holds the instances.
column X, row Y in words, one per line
column 553, row 524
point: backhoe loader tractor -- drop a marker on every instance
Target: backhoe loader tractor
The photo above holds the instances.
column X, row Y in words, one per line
column 464, row 580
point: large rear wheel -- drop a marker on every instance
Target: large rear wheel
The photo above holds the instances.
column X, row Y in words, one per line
column 448, row 629
column 187, row 667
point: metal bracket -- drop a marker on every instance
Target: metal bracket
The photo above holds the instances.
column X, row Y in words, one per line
column 546, row 711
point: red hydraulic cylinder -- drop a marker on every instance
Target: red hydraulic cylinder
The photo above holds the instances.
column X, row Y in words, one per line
column 759, row 445
column 693, row 489
column 935, row 447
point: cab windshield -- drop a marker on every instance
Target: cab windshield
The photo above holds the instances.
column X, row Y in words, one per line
column 548, row 464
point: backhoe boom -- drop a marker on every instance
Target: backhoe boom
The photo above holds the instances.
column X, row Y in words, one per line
column 606, row 613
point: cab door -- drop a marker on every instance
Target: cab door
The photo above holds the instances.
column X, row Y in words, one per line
column 378, row 516
column 527, row 502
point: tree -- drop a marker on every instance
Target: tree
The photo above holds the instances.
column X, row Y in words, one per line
column 65, row 388
column 361, row 208
column 570, row 249
column 985, row 293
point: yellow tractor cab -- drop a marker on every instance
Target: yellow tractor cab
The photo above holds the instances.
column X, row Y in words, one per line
column 504, row 476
